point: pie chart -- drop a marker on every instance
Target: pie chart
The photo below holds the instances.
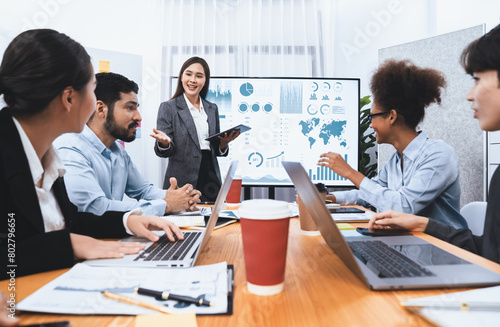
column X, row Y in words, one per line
column 246, row 89
column 255, row 159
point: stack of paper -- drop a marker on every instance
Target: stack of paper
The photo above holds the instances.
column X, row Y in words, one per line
column 479, row 307
column 353, row 217
column 185, row 221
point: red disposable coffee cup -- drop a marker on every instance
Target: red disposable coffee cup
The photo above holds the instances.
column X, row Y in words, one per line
column 234, row 193
column 264, row 229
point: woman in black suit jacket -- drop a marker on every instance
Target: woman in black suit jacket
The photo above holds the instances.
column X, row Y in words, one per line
column 183, row 124
column 48, row 85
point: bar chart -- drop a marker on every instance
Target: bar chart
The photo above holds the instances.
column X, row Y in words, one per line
column 321, row 173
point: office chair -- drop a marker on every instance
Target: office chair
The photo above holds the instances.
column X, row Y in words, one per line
column 475, row 214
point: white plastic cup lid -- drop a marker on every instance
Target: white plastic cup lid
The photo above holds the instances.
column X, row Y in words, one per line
column 264, row 209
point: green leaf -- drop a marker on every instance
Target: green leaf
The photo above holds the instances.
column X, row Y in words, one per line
column 364, row 101
column 366, row 141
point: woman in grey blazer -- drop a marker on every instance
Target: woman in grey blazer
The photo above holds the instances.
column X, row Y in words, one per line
column 183, row 124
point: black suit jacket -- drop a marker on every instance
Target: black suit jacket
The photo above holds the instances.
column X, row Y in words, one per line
column 175, row 120
column 486, row 245
column 24, row 242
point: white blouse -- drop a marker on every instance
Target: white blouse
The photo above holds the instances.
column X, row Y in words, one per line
column 50, row 169
column 201, row 122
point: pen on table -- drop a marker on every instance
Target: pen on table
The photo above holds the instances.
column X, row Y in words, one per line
column 230, row 282
column 129, row 300
column 170, row 296
column 463, row 306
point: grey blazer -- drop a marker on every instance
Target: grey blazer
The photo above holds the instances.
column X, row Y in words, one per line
column 184, row 153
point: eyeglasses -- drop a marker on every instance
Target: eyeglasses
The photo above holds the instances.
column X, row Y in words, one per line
column 370, row 116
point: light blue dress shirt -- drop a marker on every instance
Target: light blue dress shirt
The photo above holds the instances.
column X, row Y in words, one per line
column 97, row 177
column 427, row 186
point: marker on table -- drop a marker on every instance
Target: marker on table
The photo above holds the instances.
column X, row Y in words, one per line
column 129, row 300
column 170, row 296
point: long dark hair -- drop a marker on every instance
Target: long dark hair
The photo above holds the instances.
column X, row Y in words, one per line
column 193, row 60
column 37, row 66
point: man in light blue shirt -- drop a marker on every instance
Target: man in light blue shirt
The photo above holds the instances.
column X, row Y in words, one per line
column 99, row 170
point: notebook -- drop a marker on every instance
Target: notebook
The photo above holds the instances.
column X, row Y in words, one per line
column 419, row 264
column 155, row 254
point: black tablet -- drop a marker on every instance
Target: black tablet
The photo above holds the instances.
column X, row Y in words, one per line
column 242, row 128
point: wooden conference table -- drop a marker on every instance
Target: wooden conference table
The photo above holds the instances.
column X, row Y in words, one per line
column 319, row 289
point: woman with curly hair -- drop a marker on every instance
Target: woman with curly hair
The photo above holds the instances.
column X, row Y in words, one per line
column 480, row 59
column 421, row 177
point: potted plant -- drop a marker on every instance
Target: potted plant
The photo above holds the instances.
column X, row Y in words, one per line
column 367, row 140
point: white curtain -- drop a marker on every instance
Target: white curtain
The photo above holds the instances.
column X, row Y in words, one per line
column 261, row 38
column 252, row 38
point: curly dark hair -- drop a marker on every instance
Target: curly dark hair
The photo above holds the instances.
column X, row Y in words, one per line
column 406, row 88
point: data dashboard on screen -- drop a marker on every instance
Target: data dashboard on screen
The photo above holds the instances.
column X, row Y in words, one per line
column 292, row 119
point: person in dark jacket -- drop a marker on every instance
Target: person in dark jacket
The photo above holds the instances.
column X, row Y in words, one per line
column 184, row 122
column 48, row 84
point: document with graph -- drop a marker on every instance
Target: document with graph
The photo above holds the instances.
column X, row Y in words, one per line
column 78, row 291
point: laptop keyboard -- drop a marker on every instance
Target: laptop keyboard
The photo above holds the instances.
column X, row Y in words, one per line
column 165, row 250
column 385, row 261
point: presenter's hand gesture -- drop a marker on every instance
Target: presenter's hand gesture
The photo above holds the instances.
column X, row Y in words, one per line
column 162, row 138
column 335, row 162
column 85, row 247
column 393, row 219
column 143, row 225
column 228, row 137
column 183, row 198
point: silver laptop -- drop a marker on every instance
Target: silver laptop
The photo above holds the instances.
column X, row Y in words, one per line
column 412, row 262
column 164, row 253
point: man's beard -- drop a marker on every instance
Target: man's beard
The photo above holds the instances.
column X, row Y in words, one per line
column 119, row 132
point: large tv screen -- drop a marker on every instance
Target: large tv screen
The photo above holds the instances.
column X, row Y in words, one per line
column 292, row 119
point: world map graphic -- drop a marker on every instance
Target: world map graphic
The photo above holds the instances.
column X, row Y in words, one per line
column 327, row 130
